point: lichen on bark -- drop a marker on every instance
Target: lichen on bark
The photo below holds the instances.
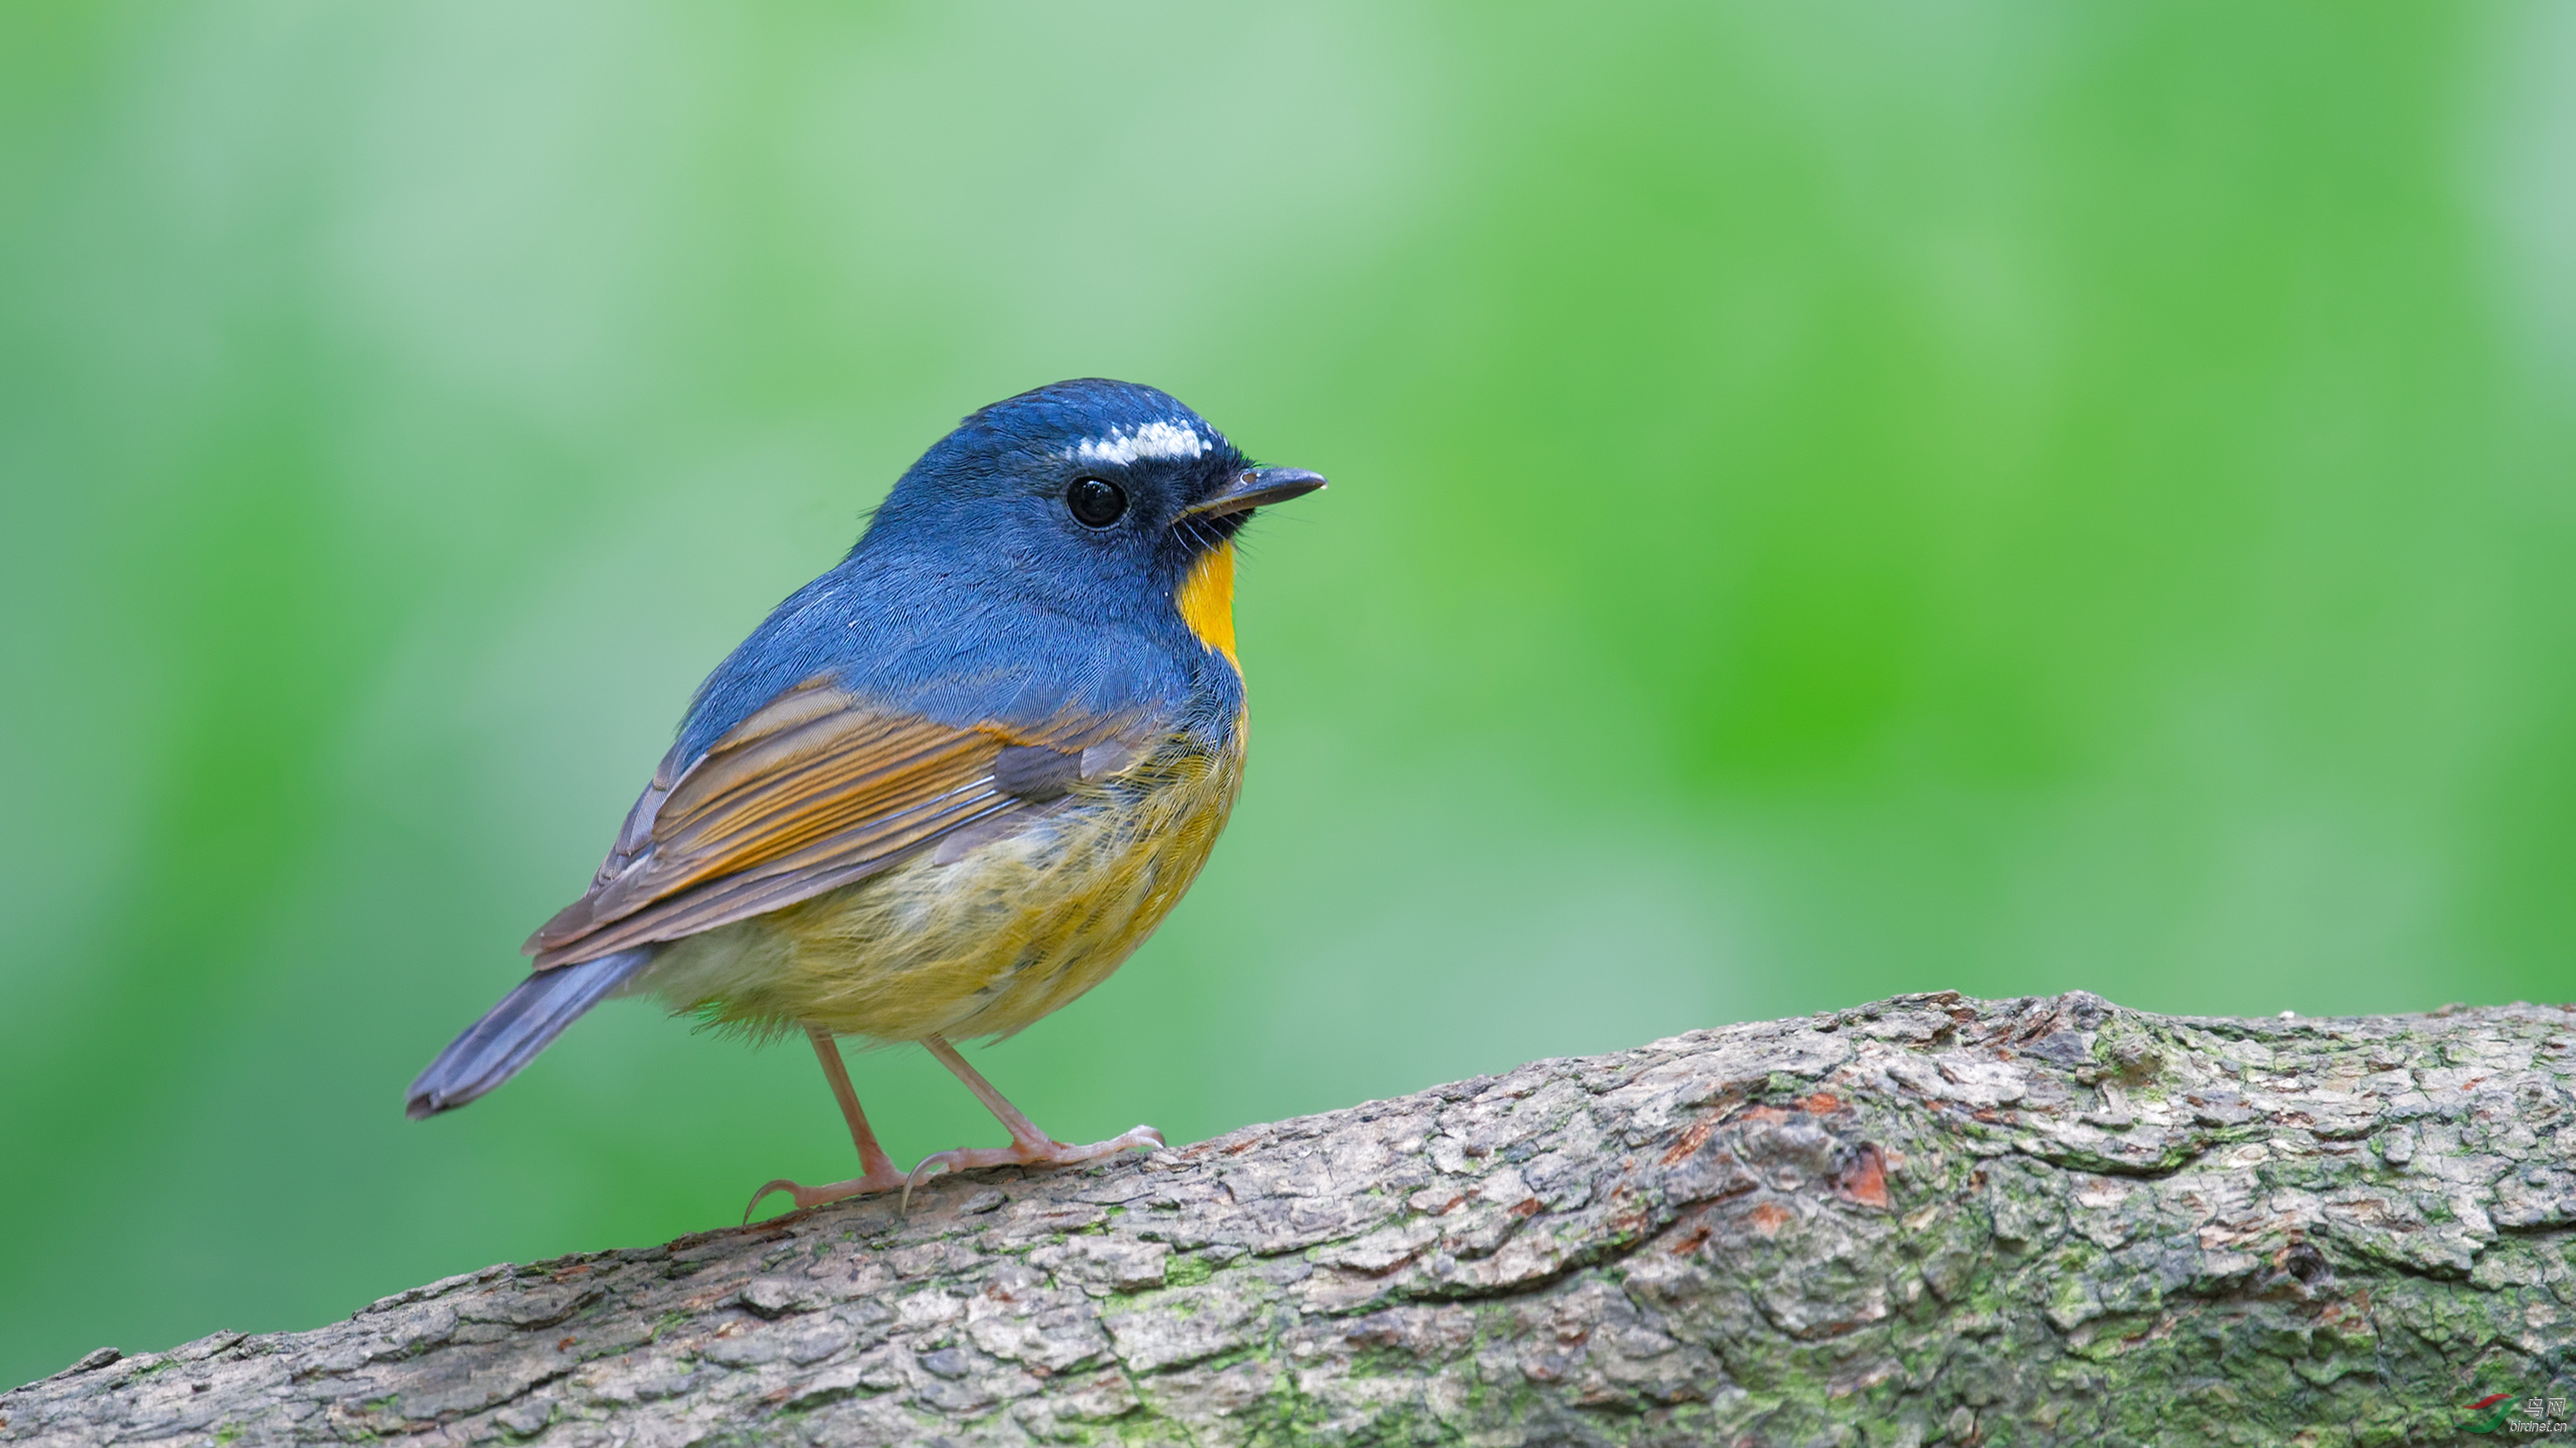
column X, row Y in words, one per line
column 1929, row 1220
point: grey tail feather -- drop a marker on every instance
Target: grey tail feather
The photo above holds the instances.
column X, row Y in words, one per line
column 512, row 1033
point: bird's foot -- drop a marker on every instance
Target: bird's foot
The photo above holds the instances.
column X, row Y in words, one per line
column 1025, row 1152
column 881, row 1177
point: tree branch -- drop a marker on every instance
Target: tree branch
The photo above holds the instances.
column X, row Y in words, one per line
column 1924, row 1221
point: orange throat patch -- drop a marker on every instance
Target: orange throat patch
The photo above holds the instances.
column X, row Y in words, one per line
column 1206, row 601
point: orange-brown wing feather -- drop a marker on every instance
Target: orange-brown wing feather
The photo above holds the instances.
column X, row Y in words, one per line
column 814, row 791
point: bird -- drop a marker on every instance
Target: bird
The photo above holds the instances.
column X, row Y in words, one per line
column 947, row 786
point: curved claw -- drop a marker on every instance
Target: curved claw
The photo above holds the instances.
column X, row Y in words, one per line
column 781, row 1184
column 1027, row 1153
column 875, row 1181
column 935, row 1164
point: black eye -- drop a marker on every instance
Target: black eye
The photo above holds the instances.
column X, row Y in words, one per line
column 1095, row 502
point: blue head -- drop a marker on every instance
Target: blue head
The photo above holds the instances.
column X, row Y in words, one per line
column 1089, row 497
column 1045, row 554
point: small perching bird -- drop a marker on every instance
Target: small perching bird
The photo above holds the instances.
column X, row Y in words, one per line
column 946, row 787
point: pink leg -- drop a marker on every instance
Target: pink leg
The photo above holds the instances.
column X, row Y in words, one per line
column 877, row 1170
column 1029, row 1146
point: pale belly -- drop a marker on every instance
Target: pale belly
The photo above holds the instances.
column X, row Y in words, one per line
column 986, row 944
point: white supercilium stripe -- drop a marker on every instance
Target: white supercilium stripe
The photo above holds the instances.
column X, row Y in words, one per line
column 1153, row 440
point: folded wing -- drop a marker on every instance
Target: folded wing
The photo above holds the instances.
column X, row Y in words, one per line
column 816, row 790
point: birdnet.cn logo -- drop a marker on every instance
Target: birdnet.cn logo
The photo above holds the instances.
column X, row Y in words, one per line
column 2514, row 1413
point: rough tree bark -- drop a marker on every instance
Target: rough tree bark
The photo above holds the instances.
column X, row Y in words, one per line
column 1931, row 1220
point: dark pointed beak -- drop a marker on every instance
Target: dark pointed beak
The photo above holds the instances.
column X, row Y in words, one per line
column 1255, row 488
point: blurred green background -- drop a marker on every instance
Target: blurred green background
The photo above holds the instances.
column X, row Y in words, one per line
column 1828, row 501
